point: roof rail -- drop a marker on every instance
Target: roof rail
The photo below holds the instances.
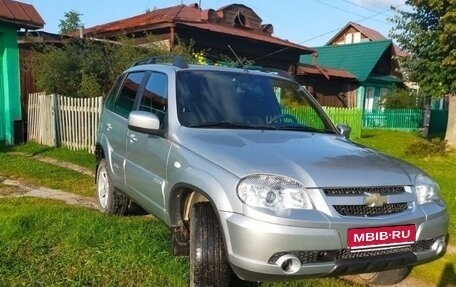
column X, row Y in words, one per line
column 178, row 61
column 278, row 72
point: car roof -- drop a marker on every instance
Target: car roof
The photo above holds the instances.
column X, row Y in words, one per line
column 171, row 68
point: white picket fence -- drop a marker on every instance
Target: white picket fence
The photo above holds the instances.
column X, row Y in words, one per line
column 62, row 121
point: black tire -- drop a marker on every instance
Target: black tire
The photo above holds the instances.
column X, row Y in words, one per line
column 109, row 200
column 208, row 264
column 389, row 277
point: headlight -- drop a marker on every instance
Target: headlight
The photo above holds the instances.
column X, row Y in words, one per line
column 426, row 190
column 273, row 192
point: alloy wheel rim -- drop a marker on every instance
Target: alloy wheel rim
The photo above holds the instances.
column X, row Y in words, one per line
column 103, row 186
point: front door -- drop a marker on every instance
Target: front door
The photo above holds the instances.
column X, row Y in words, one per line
column 147, row 154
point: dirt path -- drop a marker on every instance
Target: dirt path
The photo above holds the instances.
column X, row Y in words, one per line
column 59, row 163
column 15, row 188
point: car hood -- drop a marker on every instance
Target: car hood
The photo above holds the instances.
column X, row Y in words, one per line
column 314, row 159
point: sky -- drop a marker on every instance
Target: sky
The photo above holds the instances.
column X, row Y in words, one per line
column 307, row 22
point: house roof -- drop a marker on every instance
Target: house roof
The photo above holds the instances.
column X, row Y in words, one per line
column 359, row 59
column 190, row 16
column 20, row 14
column 369, row 33
column 304, row 69
column 246, row 34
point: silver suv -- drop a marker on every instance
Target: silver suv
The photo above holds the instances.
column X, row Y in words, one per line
column 254, row 179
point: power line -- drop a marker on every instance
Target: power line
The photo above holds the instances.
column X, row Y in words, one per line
column 347, row 11
column 355, row 4
column 324, row 34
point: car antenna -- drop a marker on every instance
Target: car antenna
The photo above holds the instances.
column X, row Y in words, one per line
column 234, row 53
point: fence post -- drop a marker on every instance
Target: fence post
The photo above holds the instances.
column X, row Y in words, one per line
column 426, row 121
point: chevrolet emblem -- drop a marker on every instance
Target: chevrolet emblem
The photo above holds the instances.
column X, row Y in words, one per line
column 375, row 199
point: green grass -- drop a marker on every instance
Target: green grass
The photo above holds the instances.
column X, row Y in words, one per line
column 81, row 158
column 39, row 173
column 441, row 168
column 441, row 272
column 45, row 243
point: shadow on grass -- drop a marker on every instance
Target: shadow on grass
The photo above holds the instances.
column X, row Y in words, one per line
column 448, row 277
column 366, row 136
column 32, row 152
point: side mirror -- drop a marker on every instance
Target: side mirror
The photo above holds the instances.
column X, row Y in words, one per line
column 143, row 122
column 344, row 130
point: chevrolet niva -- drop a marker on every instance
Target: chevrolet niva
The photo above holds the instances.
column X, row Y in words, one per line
column 254, row 179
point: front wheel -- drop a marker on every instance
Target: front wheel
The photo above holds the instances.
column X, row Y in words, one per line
column 208, row 264
column 110, row 201
column 389, row 277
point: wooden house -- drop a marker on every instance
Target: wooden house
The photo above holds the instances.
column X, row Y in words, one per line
column 356, row 68
column 231, row 29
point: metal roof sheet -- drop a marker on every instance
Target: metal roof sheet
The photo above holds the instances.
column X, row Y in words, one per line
column 21, row 14
column 189, row 16
column 359, row 59
column 246, row 34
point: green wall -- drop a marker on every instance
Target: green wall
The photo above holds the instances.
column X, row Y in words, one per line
column 10, row 99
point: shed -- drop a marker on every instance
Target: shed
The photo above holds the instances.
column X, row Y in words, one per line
column 14, row 15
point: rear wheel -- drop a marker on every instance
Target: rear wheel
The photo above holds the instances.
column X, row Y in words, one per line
column 208, row 264
column 389, row 277
column 110, row 201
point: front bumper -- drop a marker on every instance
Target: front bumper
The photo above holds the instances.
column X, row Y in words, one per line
column 255, row 247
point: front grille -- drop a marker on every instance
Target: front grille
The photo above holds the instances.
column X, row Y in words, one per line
column 383, row 190
column 346, row 254
column 307, row 257
column 363, row 210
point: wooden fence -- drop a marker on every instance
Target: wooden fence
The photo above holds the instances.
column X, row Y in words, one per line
column 62, row 121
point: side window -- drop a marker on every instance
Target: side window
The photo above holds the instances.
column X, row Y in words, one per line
column 110, row 99
column 124, row 102
column 155, row 97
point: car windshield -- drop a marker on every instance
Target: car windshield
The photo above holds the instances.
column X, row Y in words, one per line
column 221, row 99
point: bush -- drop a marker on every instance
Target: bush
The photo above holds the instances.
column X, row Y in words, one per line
column 399, row 99
column 423, row 147
column 84, row 68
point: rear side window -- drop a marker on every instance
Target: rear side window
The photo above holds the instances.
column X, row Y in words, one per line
column 155, row 96
column 126, row 98
column 110, row 100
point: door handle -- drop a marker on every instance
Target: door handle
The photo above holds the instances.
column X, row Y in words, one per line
column 132, row 138
column 108, row 127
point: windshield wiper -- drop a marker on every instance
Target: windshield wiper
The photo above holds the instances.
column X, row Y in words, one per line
column 227, row 124
column 304, row 128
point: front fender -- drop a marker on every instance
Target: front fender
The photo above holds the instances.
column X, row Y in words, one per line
column 189, row 170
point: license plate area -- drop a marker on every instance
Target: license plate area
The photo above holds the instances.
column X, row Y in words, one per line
column 378, row 237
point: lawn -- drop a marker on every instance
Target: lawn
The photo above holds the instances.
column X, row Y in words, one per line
column 46, row 243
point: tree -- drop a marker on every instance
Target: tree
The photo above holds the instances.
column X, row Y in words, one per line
column 84, row 68
column 427, row 32
column 71, row 23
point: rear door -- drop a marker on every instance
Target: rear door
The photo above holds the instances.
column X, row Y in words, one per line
column 114, row 124
column 147, row 154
